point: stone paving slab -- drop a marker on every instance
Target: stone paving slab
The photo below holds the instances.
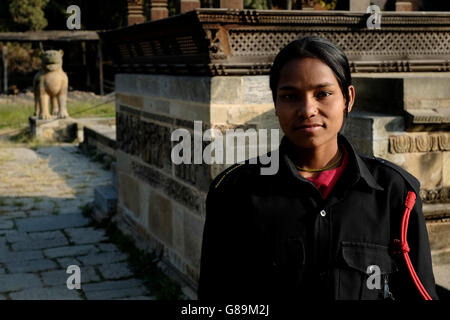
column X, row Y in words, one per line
column 46, row 294
column 40, row 240
column 68, row 261
column 107, row 247
column 6, row 224
column 112, row 285
column 115, row 271
column 117, row 293
column 31, row 266
column 104, row 257
column 86, row 235
column 18, row 281
column 53, row 222
column 11, row 214
column 9, row 256
column 70, row 251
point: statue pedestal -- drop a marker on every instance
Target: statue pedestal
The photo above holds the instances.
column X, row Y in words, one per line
column 64, row 130
column 61, row 130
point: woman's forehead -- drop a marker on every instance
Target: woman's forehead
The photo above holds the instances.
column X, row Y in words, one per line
column 311, row 72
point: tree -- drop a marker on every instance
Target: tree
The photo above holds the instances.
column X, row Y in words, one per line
column 28, row 14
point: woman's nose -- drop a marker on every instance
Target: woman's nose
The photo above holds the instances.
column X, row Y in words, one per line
column 307, row 108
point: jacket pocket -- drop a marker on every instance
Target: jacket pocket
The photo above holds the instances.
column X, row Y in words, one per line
column 364, row 271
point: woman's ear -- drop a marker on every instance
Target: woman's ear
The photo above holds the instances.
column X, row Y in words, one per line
column 351, row 97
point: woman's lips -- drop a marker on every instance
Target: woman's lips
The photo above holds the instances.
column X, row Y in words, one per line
column 309, row 127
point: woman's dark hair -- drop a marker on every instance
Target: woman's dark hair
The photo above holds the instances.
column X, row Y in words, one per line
column 314, row 47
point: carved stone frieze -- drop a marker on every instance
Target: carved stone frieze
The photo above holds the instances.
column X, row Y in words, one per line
column 439, row 195
column 419, row 143
column 244, row 42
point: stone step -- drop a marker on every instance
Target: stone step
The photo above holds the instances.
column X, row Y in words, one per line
column 105, row 202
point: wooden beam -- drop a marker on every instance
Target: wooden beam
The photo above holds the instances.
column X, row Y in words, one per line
column 49, row 36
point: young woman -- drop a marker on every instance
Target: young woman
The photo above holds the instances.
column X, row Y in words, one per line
column 328, row 224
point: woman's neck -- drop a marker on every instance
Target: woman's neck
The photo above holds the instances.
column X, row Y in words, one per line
column 315, row 158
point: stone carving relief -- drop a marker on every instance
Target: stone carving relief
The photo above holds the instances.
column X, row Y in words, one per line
column 419, row 143
column 439, row 195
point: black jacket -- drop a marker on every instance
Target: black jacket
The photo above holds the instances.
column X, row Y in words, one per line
column 267, row 238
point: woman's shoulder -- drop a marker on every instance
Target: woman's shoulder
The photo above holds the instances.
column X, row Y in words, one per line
column 237, row 176
column 384, row 169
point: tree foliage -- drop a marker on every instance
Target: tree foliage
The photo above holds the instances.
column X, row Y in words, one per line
column 28, row 14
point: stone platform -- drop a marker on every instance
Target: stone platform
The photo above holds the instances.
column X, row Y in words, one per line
column 64, row 130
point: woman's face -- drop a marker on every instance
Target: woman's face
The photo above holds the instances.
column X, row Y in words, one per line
column 309, row 104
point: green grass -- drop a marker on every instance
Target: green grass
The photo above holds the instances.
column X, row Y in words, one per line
column 16, row 115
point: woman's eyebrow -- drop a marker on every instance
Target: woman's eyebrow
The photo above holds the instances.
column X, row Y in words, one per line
column 320, row 85
column 324, row 84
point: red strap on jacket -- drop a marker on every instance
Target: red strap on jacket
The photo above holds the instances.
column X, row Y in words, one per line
column 403, row 248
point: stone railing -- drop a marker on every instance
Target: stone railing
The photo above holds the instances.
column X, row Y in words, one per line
column 244, row 42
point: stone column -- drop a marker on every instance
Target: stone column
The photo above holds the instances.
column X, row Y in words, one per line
column 232, row 4
column 158, row 9
column 188, row 5
column 135, row 12
column 403, row 6
column 359, row 5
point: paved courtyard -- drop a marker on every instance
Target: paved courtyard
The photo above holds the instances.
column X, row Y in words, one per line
column 43, row 230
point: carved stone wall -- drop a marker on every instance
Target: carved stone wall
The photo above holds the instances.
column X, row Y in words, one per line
column 159, row 201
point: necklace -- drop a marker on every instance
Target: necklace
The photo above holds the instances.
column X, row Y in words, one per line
column 323, row 169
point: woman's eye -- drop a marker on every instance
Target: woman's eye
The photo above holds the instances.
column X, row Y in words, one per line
column 323, row 94
column 288, row 96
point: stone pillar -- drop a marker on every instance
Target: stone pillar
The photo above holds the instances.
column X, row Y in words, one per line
column 359, row 5
column 158, row 9
column 188, row 5
column 135, row 12
column 403, row 6
column 232, row 4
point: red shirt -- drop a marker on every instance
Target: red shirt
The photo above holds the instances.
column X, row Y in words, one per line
column 326, row 180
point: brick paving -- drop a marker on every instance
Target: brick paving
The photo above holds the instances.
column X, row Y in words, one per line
column 43, row 230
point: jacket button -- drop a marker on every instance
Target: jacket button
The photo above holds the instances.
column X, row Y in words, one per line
column 323, row 213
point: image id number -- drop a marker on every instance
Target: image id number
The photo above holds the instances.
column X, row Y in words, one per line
column 260, row 309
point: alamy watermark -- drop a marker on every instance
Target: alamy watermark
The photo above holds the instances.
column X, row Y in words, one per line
column 74, row 20
column 374, row 280
column 73, row 281
column 374, row 20
column 235, row 140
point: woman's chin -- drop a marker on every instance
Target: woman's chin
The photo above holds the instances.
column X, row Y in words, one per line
column 305, row 142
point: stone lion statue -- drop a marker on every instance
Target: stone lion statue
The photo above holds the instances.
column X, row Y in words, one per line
column 51, row 83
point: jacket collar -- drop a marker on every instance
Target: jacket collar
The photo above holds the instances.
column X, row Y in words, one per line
column 359, row 170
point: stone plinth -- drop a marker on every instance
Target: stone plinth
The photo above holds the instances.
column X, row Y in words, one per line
column 67, row 130
column 53, row 130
